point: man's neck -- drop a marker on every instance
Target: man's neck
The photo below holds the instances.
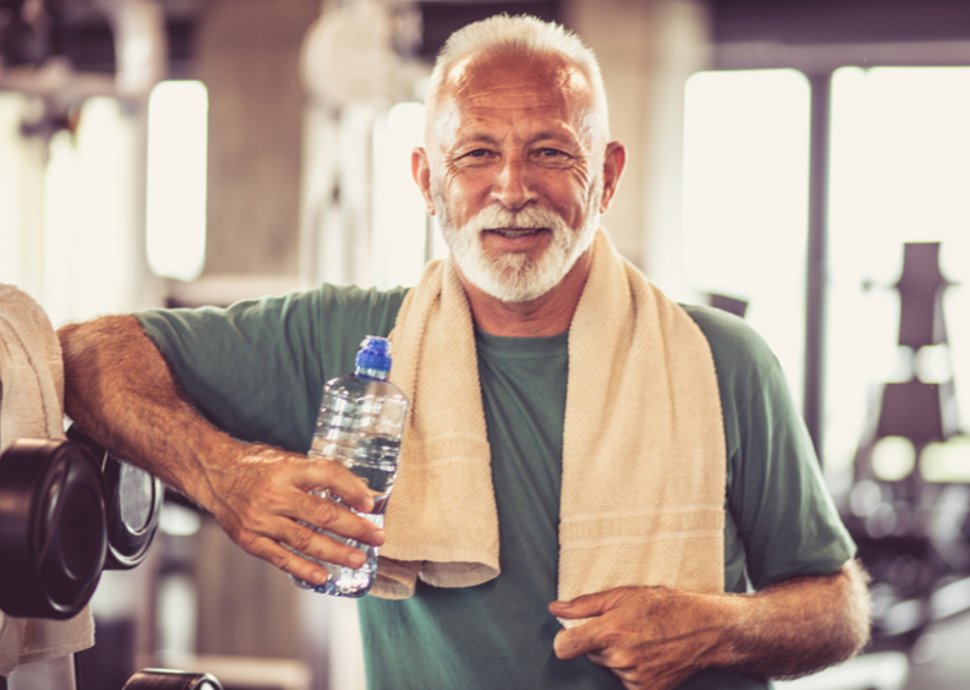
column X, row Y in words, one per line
column 549, row 314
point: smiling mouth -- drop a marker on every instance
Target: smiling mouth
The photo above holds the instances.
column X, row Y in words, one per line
column 513, row 233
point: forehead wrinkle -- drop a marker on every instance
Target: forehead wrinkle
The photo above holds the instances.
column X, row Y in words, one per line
column 540, row 81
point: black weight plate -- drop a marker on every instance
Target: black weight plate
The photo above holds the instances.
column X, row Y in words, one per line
column 133, row 501
column 133, row 506
column 52, row 528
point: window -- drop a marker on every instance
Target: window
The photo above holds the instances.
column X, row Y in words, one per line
column 401, row 242
column 746, row 152
column 900, row 168
column 14, row 189
column 70, row 202
column 64, row 236
column 176, row 181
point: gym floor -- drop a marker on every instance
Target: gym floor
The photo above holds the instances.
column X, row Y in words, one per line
column 941, row 659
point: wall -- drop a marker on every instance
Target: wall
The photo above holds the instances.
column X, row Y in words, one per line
column 646, row 51
column 247, row 54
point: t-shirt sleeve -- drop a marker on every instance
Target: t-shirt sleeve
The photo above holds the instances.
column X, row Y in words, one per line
column 256, row 368
column 783, row 511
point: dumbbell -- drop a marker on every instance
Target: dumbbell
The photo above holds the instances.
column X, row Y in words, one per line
column 53, row 529
column 68, row 510
column 133, row 504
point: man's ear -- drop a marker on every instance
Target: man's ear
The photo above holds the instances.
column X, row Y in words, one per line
column 613, row 164
column 421, row 172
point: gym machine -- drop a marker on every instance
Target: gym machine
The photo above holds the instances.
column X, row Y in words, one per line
column 913, row 532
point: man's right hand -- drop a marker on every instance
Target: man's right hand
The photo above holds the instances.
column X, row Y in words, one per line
column 263, row 503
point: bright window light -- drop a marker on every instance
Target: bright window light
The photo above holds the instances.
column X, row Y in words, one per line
column 893, row 458
column 104, row 273
column 70, row 231
column 176, row 194
column 900, row 171
column 87, row 246
column 947, row 462
column 61, row 205
column 12, row 108
column 398, row 208
column 745, row 199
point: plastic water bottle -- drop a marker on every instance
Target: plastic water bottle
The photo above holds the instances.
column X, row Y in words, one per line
column 360, row 424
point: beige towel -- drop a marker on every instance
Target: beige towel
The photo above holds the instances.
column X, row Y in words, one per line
column 31, row 404
column 643, row 483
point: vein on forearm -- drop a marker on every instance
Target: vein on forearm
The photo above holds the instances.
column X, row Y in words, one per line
column 120, row 391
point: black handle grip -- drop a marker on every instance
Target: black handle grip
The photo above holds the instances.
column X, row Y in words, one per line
column 165, row 679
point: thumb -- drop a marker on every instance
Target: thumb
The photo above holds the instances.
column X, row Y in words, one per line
column 586, row 605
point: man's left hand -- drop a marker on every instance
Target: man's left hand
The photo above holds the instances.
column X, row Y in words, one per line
column 650, row 637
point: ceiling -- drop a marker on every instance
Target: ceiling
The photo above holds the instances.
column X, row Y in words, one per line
column 79, row 31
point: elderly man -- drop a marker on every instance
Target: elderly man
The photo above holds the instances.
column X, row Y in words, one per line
column 598, row 487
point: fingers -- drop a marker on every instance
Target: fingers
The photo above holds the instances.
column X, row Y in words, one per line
column 329, row 475
column 297, row 566
column 649, row 637
column 607, row 648
column 257, row 521
column 324, row 513
column 570, row 643
column 583, row 639
column 591, row 637
column 265, row 507
column 292, row 546
column 587, row 605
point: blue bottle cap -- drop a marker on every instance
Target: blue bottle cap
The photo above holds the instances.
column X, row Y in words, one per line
column 374, row 355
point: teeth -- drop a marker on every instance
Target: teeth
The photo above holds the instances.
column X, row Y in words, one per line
column 516, row 233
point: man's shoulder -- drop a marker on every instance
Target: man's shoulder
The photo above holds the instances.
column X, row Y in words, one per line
column 351, row 308
column 741, row 355
column 727, row 333
column 330, row 300
column 361, row 302
column 340, row 294
column 359, row 293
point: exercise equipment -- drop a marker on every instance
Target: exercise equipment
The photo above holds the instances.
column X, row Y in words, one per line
column 165, row 679
column 913, row 534
column 133, row 504
column 68, row 510
column 52, row 528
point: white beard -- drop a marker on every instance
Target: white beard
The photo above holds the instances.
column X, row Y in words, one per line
column 515, row 276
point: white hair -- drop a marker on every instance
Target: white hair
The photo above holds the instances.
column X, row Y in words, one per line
column 531, row 36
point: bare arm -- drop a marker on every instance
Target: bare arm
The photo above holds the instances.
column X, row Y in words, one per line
column 120, row 391
column 656, row 637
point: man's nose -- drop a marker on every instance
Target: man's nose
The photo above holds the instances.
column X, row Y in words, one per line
column 513, row 187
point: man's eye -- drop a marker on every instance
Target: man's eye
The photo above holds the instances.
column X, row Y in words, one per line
column 550, row 153
column 478, row 153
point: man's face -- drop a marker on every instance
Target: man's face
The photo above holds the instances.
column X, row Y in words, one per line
column 513, row 173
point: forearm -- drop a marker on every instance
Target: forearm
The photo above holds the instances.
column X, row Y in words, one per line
column 120, row 391
column 798, row 626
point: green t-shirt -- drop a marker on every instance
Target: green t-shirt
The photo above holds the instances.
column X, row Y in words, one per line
column 257, row 369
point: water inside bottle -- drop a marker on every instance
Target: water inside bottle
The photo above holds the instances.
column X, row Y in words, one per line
column 360, row 426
